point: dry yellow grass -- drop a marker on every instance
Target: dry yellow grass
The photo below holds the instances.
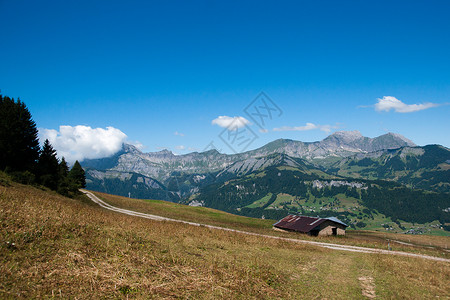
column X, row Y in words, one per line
column 53, row 246
column 426, row 241
column 429, row 245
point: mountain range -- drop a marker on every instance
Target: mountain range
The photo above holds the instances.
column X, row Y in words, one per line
column 160, row 165
column 327, row 177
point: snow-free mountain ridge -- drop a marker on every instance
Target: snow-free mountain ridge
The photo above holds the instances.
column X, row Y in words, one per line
column 161, row 164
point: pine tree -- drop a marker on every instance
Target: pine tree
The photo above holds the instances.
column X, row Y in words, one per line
column 63, row 180
column 48, row 167
column 19, row 143
column 77, row 175
column 63, row 168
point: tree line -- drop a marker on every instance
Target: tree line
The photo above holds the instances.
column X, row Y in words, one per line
column 22, row 157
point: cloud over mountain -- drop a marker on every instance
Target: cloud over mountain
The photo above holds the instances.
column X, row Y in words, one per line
column 388, row 102
column 232, row 123
column 82, row 142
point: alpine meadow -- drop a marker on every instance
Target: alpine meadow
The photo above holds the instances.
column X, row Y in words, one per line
column 224, row 150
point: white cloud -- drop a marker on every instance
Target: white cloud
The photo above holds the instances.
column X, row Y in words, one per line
column 308, row 126
column 82, row 142
column 180, row 147
column 137, row 144
column 264, row 130
column 232, row 123
column 388, row 102
column 178, row 133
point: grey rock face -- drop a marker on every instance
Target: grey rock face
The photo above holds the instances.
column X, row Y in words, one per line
column 122, row 176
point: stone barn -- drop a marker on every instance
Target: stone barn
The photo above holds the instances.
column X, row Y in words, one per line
column 311, row 226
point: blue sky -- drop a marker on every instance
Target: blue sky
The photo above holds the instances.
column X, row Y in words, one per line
column 160, row 72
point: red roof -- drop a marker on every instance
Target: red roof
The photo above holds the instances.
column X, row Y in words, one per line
column 302, row 223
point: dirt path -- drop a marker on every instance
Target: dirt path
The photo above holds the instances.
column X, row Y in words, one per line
column 320, row 244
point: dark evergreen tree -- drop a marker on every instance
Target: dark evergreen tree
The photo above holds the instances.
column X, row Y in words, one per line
column 48, row 167
column 63, row 168
column 77, row 175
column 19, row 144
column 63, row 180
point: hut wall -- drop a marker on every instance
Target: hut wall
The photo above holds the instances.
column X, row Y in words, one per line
column 327, row 229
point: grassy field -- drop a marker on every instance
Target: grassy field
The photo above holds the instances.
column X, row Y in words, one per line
column 261, row 202
column 53, row 246
column 219, row 218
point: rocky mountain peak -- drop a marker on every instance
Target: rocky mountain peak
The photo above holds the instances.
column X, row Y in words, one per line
column 401, row 137
column 164, row 152
column 209, row 152
column 390, row 141
column 345, row 139
column 346, row 135
column 128, row 148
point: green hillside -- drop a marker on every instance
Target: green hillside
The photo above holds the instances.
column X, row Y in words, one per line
column 275, row 192
column 425, row 167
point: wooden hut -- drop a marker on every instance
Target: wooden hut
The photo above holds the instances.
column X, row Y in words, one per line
column 311, row 225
